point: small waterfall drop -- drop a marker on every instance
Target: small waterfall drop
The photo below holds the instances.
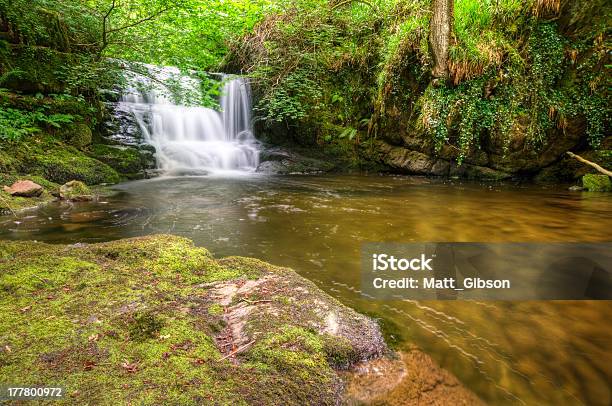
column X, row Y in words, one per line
column 196, row 140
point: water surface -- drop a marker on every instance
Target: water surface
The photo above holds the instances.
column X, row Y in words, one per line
column 507, row 352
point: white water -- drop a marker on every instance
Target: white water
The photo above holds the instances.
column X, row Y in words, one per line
column 196, row 140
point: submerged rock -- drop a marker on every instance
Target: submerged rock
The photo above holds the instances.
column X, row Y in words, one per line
column 413, row 378
column 24, row 188
column 76, row 191
column 155, row 320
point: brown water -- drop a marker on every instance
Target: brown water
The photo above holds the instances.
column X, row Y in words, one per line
column 507, row 352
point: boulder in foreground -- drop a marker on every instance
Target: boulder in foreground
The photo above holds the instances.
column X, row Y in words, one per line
column 155, row 320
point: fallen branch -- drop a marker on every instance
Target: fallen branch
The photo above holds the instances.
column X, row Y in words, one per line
column 592, row 164
column 237, row 350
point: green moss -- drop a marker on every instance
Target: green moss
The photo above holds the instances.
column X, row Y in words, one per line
column 76, row 134
column 597, row 183
column 144, row 326
column 129, row 321
column 252, row 268
column 75, row 190
column 215, row 309
column 65, row 164
column 57, row 162
column 12, row 204
column 124, row 160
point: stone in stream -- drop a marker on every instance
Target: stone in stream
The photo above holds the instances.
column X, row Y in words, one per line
column 24, row 188
column 411, row 378
column 76, row 191
column 157, row 312
column 597, row 183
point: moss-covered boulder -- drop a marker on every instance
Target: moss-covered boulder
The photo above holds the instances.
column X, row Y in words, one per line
column 125, row 160
column 155, row 320
column 65, row 164
column 597, row 183
column 47, row 157
column 75, row 191
column 77, row 134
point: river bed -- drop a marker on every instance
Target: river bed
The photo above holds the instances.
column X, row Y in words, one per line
column 529, row 352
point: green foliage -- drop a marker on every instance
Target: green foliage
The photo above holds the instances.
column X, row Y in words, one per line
column 494, row 104
column 16, row 124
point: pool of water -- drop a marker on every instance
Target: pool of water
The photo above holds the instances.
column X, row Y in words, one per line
column 530, row 352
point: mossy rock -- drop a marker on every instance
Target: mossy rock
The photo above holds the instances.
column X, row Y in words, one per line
column 34, row 69
column 57, row 162
column 597, row 183
column 125, row 160
column 76, row 134
column 137, row 321
column 67, row 164
column 14, row 204
column 75, row 190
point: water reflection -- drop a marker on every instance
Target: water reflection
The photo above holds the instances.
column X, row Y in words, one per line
column 508, row 352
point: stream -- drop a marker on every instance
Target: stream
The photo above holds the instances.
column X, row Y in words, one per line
column 530, row 352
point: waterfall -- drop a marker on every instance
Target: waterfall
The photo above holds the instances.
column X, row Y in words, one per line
column 190, row 139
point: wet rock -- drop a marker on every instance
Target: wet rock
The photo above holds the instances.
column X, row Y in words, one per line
column 597, row 183
column 260, row 307
column 575, row 188
column 413, row 379
column 122, row 127
column 412, row 162
column 477, row 172
column 24, row 188
column 272, row 167
column 75, row 191
column 283, row 162
column 127, row 160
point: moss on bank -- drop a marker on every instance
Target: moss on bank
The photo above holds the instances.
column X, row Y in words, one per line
column 136, row 321
column 55, row 161
column 127, row 161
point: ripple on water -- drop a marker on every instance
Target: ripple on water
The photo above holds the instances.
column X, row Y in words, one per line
column 539, row 352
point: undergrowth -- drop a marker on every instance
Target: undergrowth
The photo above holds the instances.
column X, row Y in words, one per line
column 340, row 72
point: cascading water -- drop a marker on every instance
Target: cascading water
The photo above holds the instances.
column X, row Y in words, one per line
column 196, row 140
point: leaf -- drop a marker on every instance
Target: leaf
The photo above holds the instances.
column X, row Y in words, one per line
column 129, row 367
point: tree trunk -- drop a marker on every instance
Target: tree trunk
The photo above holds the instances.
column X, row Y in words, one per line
column 440, row 30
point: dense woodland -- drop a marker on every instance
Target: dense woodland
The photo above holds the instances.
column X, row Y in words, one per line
column 477, row 88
